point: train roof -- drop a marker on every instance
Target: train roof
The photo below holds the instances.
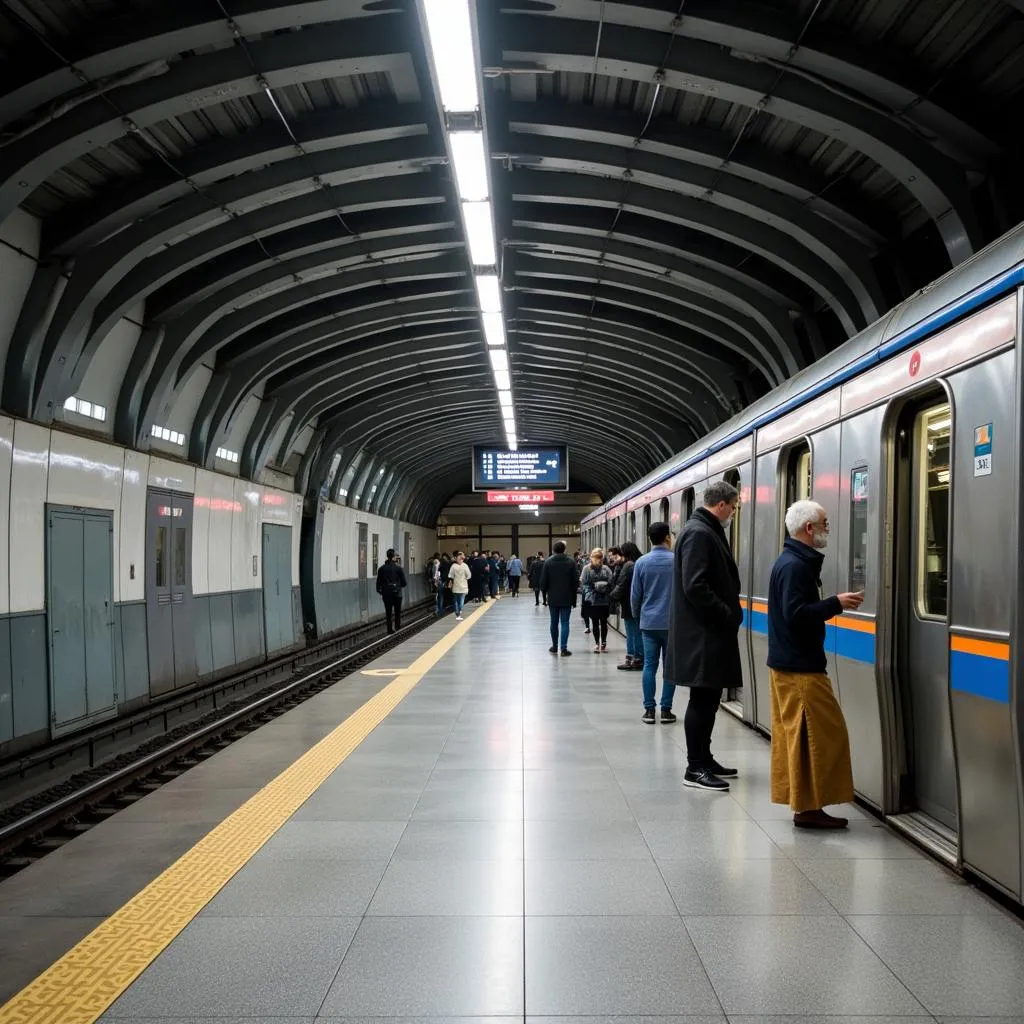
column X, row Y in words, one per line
column 987, row 275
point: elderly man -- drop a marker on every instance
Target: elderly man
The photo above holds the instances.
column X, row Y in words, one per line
column 810, row 747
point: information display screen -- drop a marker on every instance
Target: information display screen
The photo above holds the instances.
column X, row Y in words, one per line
column 500, row 469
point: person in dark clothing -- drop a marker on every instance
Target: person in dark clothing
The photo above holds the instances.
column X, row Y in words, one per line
column 810, row 745
column 596, row 584
column 391, row 582
column 478, row 581
column 536, row 571
column 560, row 582
column 704, row 622
column 493, row 576
column 621, row 588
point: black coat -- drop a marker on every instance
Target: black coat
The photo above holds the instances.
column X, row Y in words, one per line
column 796, row 612
column 705, row 613
column 560, row 579
column 621, row 590
column 391, row 580
column 536, row 568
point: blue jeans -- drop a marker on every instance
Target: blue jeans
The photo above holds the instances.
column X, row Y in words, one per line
column 460, row 600
column 634, row 642
column 655, row 645
column 560, row 616
column 439, row 600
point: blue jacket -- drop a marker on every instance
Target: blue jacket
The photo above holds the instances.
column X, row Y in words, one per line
column 651, row 592
column 515, row 567
column 796, row 612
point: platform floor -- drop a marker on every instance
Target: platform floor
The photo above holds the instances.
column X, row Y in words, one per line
column 511, row 841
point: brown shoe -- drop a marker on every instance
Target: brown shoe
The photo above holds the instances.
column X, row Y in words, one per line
column 626, row 665
column 818, row 819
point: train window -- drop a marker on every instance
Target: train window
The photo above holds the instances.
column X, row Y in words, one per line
column 632, row 527
column 180, row 548
column 688, row 499
column 161, row 556
column 797, row 467
column 663, row 512
column 647, row 526
column 733, row 477
column 934, row 432
column 858, row 528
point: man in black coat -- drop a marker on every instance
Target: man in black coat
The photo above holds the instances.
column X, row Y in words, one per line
column 704, row 622
column 560, row 580
column 391, row 582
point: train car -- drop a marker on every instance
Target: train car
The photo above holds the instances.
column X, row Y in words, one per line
column 125, row 577
column 909, row 435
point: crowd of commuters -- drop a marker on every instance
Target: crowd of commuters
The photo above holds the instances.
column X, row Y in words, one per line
column 681, row 610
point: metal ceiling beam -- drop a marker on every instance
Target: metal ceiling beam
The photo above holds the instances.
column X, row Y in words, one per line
column 874, row 76
column 357, row 47
column 614, row 285
column 705, row 148
column 696, row 215
column 934, row 179
column 122, row 44
column 726, row 296
column 121, row 202
column 847, row 257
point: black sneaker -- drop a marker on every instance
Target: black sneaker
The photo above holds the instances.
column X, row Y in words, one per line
column 704, row 780
column 723, row 773
column 648, row 718
column 552, row 650
column 566, row 654
column 667, row 716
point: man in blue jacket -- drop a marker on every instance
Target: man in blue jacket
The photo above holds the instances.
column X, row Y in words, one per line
column 810, row 746
column 650, row 597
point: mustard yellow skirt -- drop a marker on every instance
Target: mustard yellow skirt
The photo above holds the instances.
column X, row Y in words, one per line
column 810, row 745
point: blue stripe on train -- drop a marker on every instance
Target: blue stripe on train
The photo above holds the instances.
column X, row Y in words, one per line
column 846, row 643
column 984, row 677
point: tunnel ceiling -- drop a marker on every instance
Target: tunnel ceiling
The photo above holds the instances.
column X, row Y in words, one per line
column 693, row 200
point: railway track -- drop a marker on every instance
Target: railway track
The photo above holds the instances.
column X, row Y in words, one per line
column 46, row 821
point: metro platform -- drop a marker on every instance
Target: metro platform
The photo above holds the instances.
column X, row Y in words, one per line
column 471, row 828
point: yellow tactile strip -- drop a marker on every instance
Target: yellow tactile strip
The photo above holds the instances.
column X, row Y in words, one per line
column 84, row 982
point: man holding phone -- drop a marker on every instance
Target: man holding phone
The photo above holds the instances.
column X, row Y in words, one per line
column 810, row 766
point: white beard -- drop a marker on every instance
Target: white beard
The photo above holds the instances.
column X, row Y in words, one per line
column 820, row 541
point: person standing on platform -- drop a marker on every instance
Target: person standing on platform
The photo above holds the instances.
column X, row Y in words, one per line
column 560, row 580
column 596, row 584
column 493, row 576
column 811, row 766
column 705, row 618
column 536, row 571
column 391, row 582
column 459, row 576
column 621, row 596
column 434, row 580
column 515, row 574
column 446, row 587
column 650, row 597
column 478, row 580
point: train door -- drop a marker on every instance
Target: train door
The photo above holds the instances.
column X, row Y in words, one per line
column 169, row 632
column 278, row 627
column 927, row 774
column 665, row 513
column 739, row 542
column 689, row 499
column 361, row 554
column 80, row 617
column 645, row 537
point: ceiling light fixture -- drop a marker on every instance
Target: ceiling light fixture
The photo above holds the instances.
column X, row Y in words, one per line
column 448, row 29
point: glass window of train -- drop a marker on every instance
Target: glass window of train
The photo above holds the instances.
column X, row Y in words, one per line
column 858, row 528
column 664, row 514
column 733, row 477
column 180, row 549
column 160, row 553
column 688, row 499
column 934, row 435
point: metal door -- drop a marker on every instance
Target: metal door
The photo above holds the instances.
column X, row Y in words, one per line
column 169, row 629
column 364, row 597
column 80, row 617
column 277, row 587
column 923, row 664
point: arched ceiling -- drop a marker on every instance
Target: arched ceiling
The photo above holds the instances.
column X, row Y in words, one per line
column 693, row 200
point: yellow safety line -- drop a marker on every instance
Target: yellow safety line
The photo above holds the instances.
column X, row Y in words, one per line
column 84, row 982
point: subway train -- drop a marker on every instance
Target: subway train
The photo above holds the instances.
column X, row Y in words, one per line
column 125, row 577
column 909, row 435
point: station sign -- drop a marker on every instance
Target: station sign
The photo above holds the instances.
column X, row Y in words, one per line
column 520, row 497
column 502, row 468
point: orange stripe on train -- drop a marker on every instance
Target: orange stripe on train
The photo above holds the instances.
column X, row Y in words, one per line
column 986, row 648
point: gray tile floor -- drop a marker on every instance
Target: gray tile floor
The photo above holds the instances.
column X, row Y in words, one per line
column 513, row 843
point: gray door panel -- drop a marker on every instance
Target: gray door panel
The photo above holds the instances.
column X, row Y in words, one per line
column 98, row 618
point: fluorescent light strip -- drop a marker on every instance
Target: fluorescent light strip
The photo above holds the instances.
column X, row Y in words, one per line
column 450, row 35
column 494, row 329
column 479, row 234
column 499, row 358
column 488, row 293
column 470, row 163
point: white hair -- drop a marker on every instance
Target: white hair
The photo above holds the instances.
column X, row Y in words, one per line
column 799, row 514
